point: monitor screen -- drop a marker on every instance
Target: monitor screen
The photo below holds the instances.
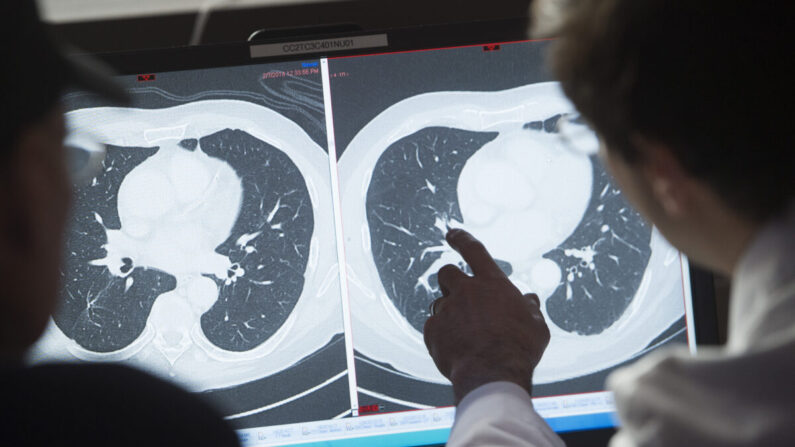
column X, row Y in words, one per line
column 207, row 250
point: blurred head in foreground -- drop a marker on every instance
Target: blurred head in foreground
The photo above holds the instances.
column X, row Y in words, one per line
column 34, row 181
column 691, row 101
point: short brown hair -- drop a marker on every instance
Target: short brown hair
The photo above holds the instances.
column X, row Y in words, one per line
column 711, row 80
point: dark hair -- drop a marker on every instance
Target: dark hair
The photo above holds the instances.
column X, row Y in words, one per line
column 30, row 79
column 711, row 80
column 37, row 72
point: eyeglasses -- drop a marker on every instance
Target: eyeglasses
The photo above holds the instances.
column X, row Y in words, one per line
column 85, row 153
column 575, row 135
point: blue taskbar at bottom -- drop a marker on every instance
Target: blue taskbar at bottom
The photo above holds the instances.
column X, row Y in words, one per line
column 439, row 436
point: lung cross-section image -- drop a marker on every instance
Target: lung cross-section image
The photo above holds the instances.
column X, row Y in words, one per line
column 497, row 165
column 195, row 253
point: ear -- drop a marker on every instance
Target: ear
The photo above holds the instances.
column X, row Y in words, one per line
column 669, row 183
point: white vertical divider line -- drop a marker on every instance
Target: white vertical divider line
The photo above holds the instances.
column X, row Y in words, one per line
column 335, row 193
column 687, row 290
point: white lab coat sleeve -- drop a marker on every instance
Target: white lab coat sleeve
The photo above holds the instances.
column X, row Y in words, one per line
column 500, row 414
column 716, row 400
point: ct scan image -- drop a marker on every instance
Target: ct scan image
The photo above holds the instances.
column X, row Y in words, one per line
column 201, row 251
column 485, row 142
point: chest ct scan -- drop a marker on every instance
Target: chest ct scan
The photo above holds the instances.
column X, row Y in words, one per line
column 492, row 163
column 199, row 251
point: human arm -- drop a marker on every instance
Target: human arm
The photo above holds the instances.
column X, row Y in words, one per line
column 500, row 414
column 486, row 337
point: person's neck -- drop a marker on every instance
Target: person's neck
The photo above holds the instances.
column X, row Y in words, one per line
column 729, row 235
column 737, row 247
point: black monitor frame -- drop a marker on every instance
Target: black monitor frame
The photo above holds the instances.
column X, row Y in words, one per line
column 400, row 39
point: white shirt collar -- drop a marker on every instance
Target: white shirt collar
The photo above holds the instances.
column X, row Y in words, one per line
column 763, row 270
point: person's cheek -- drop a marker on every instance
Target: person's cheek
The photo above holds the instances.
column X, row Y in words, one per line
column 60, row 203
column 62, row 188
column 65, row 197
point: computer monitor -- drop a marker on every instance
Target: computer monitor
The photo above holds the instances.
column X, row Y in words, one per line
column 208, row 248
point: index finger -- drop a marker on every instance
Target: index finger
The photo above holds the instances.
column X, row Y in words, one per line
column 474, row 253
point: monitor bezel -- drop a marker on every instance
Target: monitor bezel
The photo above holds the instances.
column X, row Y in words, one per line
column 400, row 39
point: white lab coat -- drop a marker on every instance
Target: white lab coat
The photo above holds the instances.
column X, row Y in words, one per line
column 742, row 394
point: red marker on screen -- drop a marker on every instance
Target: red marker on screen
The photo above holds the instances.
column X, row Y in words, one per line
column 374, row 408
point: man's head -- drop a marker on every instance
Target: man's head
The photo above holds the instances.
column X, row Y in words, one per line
column 34, row 182
column 692, row 102
column 34, row 202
